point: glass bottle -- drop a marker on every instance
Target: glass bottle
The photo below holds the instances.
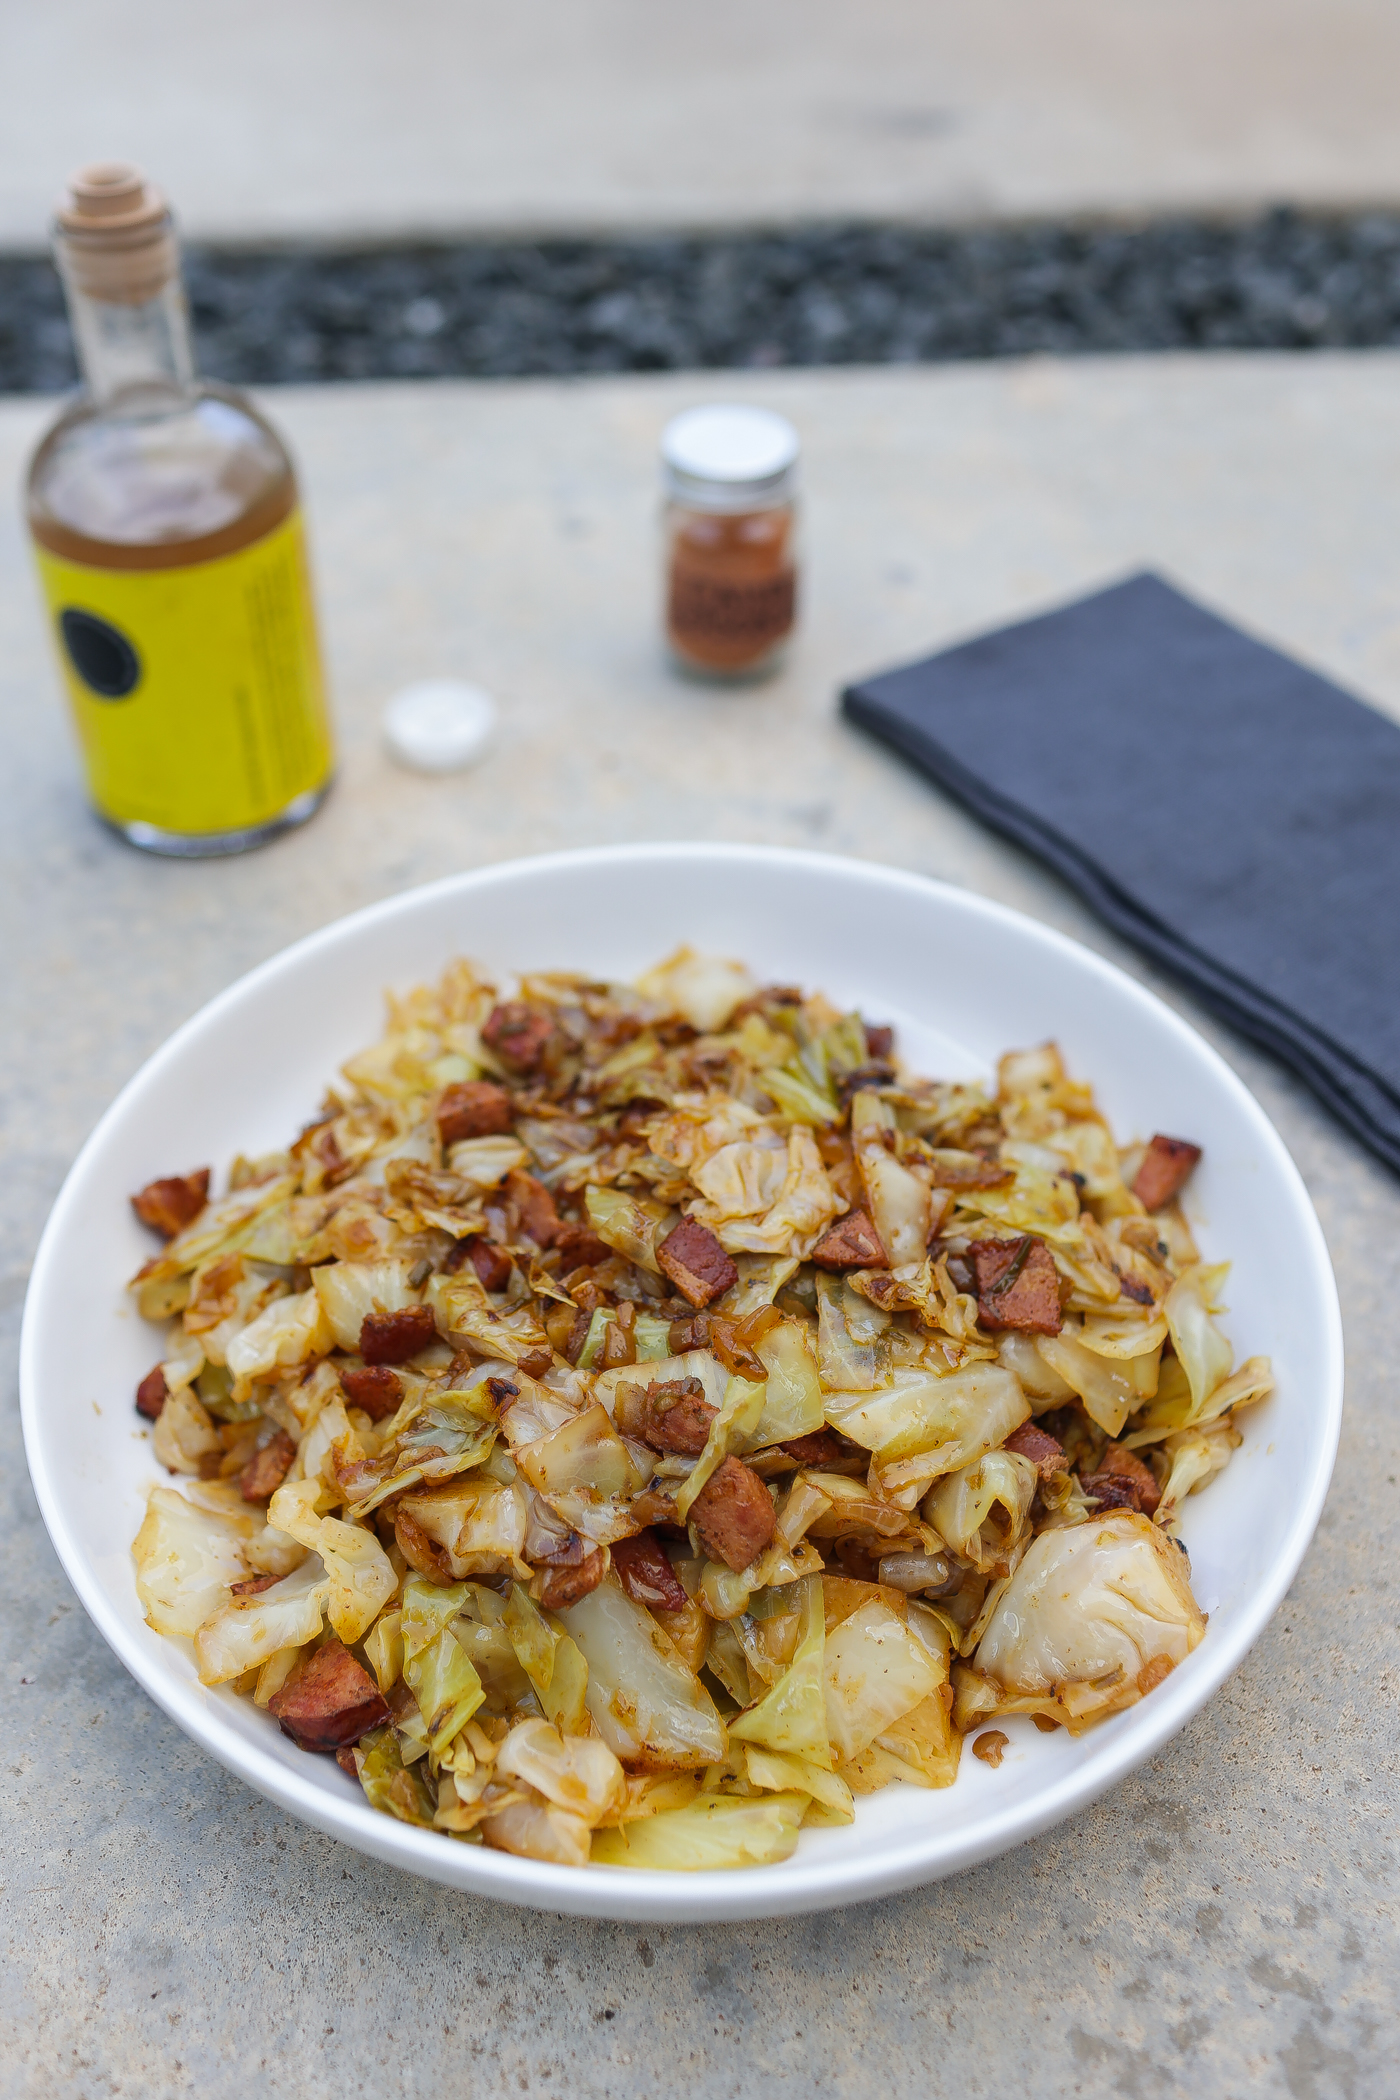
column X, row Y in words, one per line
column 167, row 529
column 731, row 553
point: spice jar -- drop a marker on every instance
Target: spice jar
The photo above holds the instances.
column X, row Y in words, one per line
column 731, row 572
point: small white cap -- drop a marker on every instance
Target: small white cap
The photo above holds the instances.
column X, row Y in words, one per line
column 440, row 725
column 729, row 457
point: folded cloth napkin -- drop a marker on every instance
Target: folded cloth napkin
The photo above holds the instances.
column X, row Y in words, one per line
column 1234, row 815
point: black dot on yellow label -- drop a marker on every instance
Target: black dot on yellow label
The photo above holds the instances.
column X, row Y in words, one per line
column 100, row 653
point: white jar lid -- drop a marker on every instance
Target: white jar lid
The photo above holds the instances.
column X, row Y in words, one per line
column 440, row 725
column 729, row 457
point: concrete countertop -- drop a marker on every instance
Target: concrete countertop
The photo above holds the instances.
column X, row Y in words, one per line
column 1223, row 1923
column 346, row 119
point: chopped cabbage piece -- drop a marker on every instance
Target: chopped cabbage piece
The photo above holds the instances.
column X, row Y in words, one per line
column 186, row 1560
column 713, row 1831
column 1093, row 1617
column 645, row 1703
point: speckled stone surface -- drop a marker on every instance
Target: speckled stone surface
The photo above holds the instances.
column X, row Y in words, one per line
column 1224, row 1922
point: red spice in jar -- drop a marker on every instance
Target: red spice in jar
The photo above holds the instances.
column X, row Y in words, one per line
column 731, row 586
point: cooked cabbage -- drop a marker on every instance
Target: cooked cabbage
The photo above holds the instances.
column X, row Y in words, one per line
column 186, row 1560
column 1092, row 1618
column 982, row 1510
column 248, row 1631
column 350, row 1291
column 646, row 1705
column 286, row 1333
column 507, row 1551
column 715, row 1830
column 922, row 1425
column 792, row 1717
column 875, row 1670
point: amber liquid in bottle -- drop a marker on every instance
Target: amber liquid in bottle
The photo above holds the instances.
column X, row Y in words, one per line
column 165, row 520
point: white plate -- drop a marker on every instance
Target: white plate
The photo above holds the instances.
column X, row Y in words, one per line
column 962, row 980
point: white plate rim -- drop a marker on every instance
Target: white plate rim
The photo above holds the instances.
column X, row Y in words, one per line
column 791, row 1887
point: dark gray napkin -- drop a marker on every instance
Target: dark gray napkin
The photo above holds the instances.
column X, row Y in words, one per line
column 1234, row 815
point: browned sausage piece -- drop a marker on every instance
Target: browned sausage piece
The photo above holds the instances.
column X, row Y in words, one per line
column 152, row 1394
column 1165, row 1166
column 695, row 1262
column 581, row 1247
column 1047, row 1456
column 671, row 1416
column 170, row 1205
column 492, row 1263
column 534, row 1207
column 519, row 1034
column 254, row 1585
column 733, row 1514
column 823, row 1447
column 473, row 1108
column 267, row 1468
column 646, row 1574
column 392, row 1338
column 374, row 1387
column 1017, row 1285
column 879, row 1042
column 1109, row 1492
column 1124, row 1470
column 852, row 1243
column 573, row 1567
column 330, row 1703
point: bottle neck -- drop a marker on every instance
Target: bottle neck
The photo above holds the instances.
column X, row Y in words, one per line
column 132, row 347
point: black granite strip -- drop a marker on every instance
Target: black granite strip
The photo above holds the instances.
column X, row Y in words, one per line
column 831, row 295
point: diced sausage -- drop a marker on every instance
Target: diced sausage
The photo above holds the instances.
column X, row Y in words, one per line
column 646, row 1574
column 852, row 1243
column 1165, row 1166
column 671, row 1416
column 535, row 1362
column 374, row 1387
column 254, row 1585
column 695, row 1262
column 733, row 1514
column 581, row 1247
column 1017, row 1285
column 152, row 1394
column 519, row 1034
column 267, row 1468
column 1125, row 1470
column 392, row 1338
column 331, row 1703
column 168, row 1206
column 492, row 1263
column 346, row 1760
column 473, row 1108
column 534, row 1207
column 823, row 1447
column 879, row 1042
column 1047, row 1456
column 573, row 1566
column 1108, row 1491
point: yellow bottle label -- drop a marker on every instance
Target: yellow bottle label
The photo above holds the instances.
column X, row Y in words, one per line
column 197, row 691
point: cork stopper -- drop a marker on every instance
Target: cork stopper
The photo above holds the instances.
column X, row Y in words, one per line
column 116, row 238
